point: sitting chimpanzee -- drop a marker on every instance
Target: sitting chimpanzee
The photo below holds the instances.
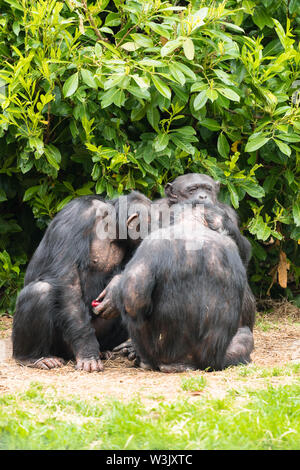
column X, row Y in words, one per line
column 199, row 188
column 181, row 295
column 202, row 188
column 74, row 261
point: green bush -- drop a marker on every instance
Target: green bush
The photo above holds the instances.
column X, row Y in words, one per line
column 108, row 96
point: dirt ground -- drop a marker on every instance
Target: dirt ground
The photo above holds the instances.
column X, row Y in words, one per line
column 277, row 342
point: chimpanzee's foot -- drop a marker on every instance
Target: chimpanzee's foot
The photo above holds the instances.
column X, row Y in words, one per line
column 171, row 368
column 143, row 365
column 125, row 349
column 45, row 363
column 105, row 355
column 91, row 364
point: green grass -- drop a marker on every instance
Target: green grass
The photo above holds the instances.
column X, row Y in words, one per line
column 254, row 371
column 193, row 384
column 260, row 419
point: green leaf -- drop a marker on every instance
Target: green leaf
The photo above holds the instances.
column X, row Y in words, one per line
column 296, row 213
column 161, row 87
column 261, row 18
column 130, row 46
column 30, row 192
column 112, row 19
column 151, row 62
column 232, row 26
column 2, row 195
column 88, row 78
column 71, row 85
column 233, row 195
column 253, row 189
column 141, row 93
column 211, row 124
column 53, row 155
column 153, row 116
column 185, row 69
column 183, row 145
column 189, row 49
column 223, row 146
column 114, row 80
column 100, row 186
column 256, row 141
column 160, row 142
column 289, row 137
column 15, row 4
column 170, row 46
column 200, row 100
column 142, row 82
column 177, row 74
column 138, row 112
column 284, row 148
column 224, row 77
column 186, row 131
column 142, row 40
column 159, row 29
column 212, row 94
column 114, row 95
column 259, row 228
column 63, row 203
column 228, row 93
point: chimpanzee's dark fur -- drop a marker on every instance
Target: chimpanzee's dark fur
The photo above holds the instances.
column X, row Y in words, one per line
column 198, row 188
column 182, row 302
column 202, row 188
column 54, row 319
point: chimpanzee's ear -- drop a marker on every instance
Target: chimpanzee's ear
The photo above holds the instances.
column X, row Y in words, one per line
column 217, row 184
column 130, row 219
column 169, row 192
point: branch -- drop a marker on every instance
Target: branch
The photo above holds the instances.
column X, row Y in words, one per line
column 125, row 35
column 92, row 22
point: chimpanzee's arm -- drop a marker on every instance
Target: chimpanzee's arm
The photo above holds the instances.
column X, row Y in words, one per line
column 105, row 305
column 219, row 218
column 243, row 244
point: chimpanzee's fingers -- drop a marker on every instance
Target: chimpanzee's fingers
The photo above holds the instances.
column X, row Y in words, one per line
column 101, row 308
column 101, row 295
column 89, row 365
column 121, row 346
column 131, row 356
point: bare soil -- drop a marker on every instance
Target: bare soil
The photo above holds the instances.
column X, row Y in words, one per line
column 277, row 342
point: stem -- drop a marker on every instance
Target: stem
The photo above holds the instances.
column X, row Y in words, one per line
column 92, row 22
column 48, row 124
column 126, row 34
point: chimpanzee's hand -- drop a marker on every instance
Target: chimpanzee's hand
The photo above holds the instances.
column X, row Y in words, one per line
column 106, row 307
column 214, row 217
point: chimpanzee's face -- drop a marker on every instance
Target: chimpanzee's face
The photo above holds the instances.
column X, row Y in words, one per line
column 193, row 188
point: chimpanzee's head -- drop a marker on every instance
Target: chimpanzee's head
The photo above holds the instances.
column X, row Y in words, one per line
column 134, row 212
column 193, row 188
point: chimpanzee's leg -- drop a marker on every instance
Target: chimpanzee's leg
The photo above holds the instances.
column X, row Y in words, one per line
column 220, row 305
column 134, row 300
column 240, row 348
column 74, row 322
column 248, row 308
column 33, row 327
column 52, row 320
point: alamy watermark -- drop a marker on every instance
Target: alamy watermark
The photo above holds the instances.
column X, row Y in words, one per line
column 136, row 221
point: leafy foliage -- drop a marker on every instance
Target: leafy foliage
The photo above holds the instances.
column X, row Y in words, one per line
column 108, row 96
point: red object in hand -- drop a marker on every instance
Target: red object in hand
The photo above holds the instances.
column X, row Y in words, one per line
column 95, row 303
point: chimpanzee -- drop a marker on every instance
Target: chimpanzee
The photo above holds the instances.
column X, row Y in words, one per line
column 181, row 294
column 200, row 188
column 76, row 258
